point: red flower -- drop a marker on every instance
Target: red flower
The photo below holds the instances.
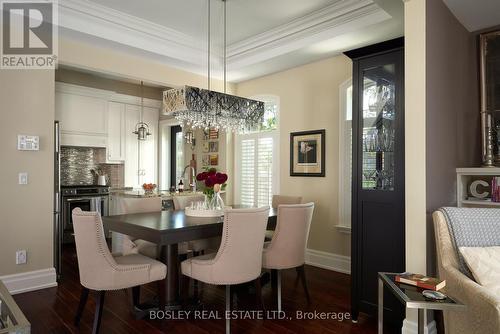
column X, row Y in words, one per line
column 212, row 171
column 202, row 176
column 210, row 181
column 221, row 178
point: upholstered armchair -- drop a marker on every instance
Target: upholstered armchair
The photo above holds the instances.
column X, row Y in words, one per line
column 483, row 307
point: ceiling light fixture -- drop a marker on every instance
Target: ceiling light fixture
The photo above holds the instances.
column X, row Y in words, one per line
column 204, row 108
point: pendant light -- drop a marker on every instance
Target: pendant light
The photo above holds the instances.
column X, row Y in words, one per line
column 141, row 128
column 204, row 108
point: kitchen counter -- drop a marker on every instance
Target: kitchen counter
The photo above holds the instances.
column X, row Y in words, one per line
column 124, row 192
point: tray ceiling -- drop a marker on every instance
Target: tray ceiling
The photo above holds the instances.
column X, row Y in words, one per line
column 263, row 36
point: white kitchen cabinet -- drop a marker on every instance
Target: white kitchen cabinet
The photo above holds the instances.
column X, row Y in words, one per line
column 116, row 132
column 82, row 113
column 149, row 147
column 141, row 156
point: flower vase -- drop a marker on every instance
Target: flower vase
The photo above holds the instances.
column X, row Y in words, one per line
column 208, row 201
column 217, row 203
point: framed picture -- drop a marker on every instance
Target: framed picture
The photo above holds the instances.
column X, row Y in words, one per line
column 205, row 160
column 214, row 146
column 206, row 147
column 213, row 133
column 214, row 159
column 307, row 153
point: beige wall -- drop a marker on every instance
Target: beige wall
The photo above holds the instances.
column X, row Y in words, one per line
column 27, row 107
column 309, row 100
column 452, row 109
column 95, row 81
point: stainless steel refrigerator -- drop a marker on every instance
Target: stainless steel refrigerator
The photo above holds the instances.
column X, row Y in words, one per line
column 57, row 202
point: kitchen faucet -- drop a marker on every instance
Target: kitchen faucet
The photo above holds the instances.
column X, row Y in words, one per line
column 193, row 177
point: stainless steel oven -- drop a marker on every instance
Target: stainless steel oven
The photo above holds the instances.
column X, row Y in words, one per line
column 87, row 198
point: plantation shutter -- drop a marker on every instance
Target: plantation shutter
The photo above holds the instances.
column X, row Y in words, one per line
column 265, row 171
column 247, row 172
column 256, row 169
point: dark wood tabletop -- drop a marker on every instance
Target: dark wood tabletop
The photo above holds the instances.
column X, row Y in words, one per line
column 170, row 227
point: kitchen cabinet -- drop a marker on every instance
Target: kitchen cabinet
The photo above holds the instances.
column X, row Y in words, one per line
column 141, row 156
column 82, row 115
column 116, row 132
column 378, row 187
column 98, row 118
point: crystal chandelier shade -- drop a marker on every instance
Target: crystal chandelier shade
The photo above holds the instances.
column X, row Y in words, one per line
column 200, row 108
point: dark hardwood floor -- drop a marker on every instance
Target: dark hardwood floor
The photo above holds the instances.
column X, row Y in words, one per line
column 52, row 310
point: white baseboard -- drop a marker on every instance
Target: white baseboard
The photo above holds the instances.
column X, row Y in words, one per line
column 30, row 281
column 330, row 261
column 411, row 327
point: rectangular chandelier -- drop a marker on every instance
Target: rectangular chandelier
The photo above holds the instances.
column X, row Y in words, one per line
column 202, row 108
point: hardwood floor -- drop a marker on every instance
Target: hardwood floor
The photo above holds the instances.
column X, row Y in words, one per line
column 52, row 310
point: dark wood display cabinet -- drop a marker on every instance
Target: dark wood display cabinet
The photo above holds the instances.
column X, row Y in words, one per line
column 378, row 192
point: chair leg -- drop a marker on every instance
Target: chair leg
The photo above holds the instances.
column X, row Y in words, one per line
column 99, row 306
column 274, row 279
column 258, row 293
column 136, row 296
column 301, row 271
column 278, row 274
column 81, row 306
column 228, row 309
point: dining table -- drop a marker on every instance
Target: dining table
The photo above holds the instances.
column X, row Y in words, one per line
column 167, row 229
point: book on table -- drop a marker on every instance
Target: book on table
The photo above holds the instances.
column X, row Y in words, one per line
column 421, row 281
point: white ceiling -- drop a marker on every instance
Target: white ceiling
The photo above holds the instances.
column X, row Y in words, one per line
column 245, row 18
column 264, row 36
column 475, row 14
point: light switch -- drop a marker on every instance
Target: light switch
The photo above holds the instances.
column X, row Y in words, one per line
column 23, row 178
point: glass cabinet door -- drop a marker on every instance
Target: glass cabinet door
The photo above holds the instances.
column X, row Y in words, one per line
column 378, row 127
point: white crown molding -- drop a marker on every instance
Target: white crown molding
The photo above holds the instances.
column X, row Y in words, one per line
column 30, row 281
column 336, row 19
column 342, row 16
column 104, row 22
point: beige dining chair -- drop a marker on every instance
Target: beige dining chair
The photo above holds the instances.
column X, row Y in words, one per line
column 288, row 246
column 239, row 258
column 279, row 200
column 125, row 244
column 200, row 245
column 101, row 271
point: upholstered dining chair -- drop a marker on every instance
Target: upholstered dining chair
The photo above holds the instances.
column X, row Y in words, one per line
column 288, row 246
column 125, row 244
column 239, row 258
column 101, row 271
column 201, row 245
column 279, row 200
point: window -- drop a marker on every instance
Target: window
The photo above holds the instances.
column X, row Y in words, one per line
column 257, row 161
column 345, row 151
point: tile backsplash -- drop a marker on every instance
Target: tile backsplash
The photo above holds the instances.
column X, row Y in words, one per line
column 77, row 164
